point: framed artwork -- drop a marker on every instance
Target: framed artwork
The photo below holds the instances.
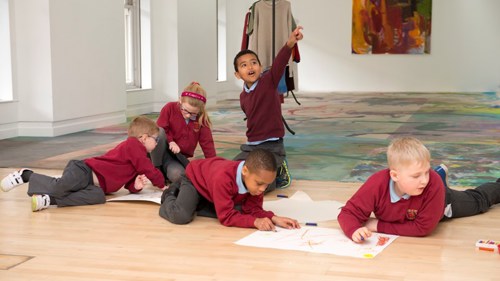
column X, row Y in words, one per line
column 391, row 26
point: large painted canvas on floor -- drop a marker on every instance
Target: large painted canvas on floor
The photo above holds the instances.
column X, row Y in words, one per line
column 391, row 26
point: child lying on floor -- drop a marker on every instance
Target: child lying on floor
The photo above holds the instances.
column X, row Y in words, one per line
column 232, row 191
column 409, row 198
column 85, row 182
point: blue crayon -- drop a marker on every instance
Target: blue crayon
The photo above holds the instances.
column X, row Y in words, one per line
column 311, row 224
column 281, row 196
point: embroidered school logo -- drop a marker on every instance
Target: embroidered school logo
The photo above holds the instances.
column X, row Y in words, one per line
column 411, row 214
column 196, row 127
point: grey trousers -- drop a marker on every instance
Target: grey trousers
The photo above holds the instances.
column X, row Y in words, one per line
column 474, row 201
column 182, row 208
column 172, row 165
column 276, row 147
column 74, row 188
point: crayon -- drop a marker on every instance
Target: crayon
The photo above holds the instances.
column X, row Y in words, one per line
column 311, row 224
column 282, row 196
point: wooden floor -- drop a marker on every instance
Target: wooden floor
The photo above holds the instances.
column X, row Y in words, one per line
column 129, row 241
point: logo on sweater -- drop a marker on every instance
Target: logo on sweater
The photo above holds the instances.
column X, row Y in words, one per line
column 196, row 126
column 411, row 214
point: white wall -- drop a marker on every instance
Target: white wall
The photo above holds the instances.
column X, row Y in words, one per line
column 88, row 65
column 5, row 53
column 165, row 61
column 464, row 53
column 68, row 66
column 197, row 44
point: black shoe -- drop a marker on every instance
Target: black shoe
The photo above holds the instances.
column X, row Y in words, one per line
column 172, row 190
column 284, row 179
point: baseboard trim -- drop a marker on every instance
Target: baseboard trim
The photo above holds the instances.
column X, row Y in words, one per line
column 58, row 128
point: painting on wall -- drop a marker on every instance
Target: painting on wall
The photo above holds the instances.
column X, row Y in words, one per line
column 391, row 26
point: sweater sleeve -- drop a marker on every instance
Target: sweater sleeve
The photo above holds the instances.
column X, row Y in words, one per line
column 207, row 142
column 144, row 166
column 253, row 206
column 224, row 207
column 357, row 210
column 279, row 64
column 164, row 121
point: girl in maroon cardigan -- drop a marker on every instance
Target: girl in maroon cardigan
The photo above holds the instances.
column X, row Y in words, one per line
column 85, row 182
column 183, row 124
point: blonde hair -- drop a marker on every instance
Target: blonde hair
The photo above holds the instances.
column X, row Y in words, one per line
column 405, row 151
column 142, row 125
column 195, row 87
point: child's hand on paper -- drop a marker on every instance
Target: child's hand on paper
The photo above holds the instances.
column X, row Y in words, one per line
column 361, row 234
column 140, row 182
column 285, row 222
column 264, row 224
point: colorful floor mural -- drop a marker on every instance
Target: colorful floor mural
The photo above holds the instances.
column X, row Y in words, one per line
column 343, row 136
column 339, row 136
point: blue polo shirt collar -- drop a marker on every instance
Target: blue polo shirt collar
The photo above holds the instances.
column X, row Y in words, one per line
column 394, row 197
column 248, row 90
column 239, row 180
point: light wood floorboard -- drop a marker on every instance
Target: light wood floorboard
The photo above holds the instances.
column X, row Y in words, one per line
column 129, row 241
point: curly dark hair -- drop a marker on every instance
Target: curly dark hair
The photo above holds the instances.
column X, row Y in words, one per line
column 261, row 159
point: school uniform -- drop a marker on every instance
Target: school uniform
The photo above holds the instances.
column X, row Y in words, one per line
column 217, row 181
column 115, row 169
column 262, row 107
column 186, row 135
column 413, row 215
column 407, row 215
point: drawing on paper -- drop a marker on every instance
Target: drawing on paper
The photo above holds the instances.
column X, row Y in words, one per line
column 318, row 240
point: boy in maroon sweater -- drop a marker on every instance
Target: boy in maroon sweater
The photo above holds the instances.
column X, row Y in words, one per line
column 261, row 104
column 232, row 191
column 85, row 182
column 410, row 198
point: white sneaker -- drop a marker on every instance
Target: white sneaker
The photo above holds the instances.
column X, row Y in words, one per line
column 12, row 180
column 39, row 202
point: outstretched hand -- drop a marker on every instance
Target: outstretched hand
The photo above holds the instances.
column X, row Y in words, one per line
column 295, row 37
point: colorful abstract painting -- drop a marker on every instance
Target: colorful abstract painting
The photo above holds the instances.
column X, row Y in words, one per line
column 391, row 26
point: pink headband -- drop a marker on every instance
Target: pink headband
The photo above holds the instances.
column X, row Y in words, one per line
column 194, row 96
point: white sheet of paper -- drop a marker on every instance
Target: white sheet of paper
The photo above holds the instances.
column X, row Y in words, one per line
column 150, row 195
column 300, row 195
column 302, row 208
column 318, row 240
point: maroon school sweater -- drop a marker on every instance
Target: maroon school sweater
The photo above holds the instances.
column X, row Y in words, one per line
column 417, row 216
column 215, row 179
column 186, row 136
column 122, row 164
column 262, row 106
